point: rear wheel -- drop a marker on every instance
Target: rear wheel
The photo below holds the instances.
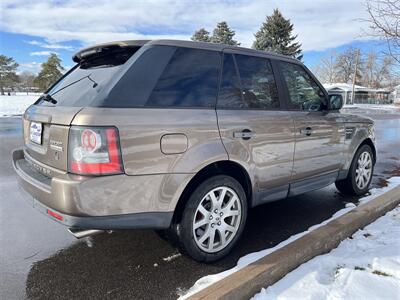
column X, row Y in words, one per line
column 213, row 219
column 360, row 173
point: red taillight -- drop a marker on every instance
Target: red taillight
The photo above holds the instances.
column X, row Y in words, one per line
column 90, row 140
column 94, row 151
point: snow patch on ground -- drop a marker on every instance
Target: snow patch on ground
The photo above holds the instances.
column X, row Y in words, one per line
column 206, row 281
column 16, row 104
column 367, row 266
column 172, row 257
column 389, row 107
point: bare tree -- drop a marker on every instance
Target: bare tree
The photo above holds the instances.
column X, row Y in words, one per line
column 374, row 70
column 326, row 69
column 27, row 78
column 384, row 20
column 370, row 66
column 26, row 81
column 346, row 65
column 377, row 70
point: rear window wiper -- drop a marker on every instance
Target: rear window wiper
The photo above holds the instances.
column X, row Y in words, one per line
column 48, row 98
column 64, row 87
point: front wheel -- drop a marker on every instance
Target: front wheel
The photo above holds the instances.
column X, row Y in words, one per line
column 360, row 173
column 213, row 219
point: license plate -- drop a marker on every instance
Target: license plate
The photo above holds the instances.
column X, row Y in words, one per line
column 35, row 132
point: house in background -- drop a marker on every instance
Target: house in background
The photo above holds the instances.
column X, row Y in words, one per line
column 396, row 95
column 362, row 94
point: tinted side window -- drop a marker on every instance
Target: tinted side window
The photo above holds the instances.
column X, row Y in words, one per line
column 304, row 93
column 258, row 83
column 136, row 85
column 189, row 80
column 230, row 94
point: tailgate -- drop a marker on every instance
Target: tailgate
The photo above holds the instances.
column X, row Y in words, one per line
column 55, row 123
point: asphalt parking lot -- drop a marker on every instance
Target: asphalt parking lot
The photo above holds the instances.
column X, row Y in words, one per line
column 40, row 260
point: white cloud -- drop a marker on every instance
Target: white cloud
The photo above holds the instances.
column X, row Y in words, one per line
column 33, row 67
column 42, row 53
column 320, row 24
column 50, row 46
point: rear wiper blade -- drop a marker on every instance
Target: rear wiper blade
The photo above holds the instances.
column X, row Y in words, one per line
column 48, row 98
column 64, row 87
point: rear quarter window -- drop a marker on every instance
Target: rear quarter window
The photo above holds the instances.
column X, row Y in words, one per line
column 189, row 80
column 138, row 82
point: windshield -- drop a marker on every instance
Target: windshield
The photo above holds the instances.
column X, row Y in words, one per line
column 85, row 81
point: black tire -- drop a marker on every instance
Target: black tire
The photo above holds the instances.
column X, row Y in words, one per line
column 348, row 185
column 184, row 228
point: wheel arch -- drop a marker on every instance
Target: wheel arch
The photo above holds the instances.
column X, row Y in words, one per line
column 370, row 143
column 366, row 141
column 224, row 167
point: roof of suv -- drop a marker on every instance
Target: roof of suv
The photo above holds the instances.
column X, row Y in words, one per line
column 179, row 43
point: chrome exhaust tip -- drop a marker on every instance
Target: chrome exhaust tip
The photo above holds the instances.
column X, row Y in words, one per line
column 81, row 233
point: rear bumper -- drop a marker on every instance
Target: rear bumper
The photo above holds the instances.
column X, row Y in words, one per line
column 153, row 220
column 106, row 202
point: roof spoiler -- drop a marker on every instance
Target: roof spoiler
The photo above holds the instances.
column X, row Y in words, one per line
column 89, row 51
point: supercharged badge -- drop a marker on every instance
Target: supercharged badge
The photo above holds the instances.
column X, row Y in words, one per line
column 56, row 145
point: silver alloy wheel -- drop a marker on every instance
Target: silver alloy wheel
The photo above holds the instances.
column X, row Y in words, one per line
column 364, row 170
column 217, row 219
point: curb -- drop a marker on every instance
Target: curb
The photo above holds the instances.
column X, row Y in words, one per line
column 264, row 272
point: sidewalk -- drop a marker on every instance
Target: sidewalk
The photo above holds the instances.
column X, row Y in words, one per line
column 366, row 266
column 385, row 107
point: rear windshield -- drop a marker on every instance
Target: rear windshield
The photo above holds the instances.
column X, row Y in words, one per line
column 84, row 83
column 157, row 76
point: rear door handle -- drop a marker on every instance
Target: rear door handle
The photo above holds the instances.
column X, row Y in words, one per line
column 245, row 134
column 307, row 131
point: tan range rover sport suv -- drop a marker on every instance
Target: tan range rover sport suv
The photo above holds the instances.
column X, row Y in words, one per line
column 184, row 138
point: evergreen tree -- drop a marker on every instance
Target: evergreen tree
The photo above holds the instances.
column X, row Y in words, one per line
column 275, row 35
column 201, row 35
column 8, row 75
column 222, row 34
column 51, row 72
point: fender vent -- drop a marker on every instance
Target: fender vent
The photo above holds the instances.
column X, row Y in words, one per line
column 349, row 132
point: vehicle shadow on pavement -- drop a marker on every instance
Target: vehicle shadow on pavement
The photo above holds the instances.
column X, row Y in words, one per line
column 138, row 264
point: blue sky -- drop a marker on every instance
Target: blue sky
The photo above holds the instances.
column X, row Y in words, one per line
column 29, row 31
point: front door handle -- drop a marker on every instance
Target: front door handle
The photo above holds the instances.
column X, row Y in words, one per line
column 245, row 134
column 307, row 131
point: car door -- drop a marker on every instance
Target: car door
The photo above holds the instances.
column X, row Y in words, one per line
column 254, row 129
column 318, row 132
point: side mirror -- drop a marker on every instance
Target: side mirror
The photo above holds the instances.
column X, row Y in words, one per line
column 335, row 102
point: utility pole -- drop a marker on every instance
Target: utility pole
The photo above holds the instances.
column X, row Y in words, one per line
column 355, row 75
